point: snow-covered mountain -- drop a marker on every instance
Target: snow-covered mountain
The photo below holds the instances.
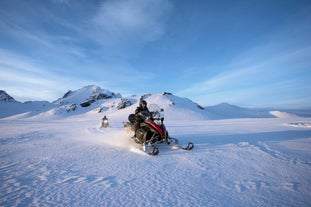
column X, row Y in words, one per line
column 85, row 96
column 93, row 99
column 10, row 107
column 83, row 100
column 4, row 97
column 230, row 111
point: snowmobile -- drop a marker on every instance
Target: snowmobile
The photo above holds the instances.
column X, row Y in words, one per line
column 152, row 132
column 105, row 122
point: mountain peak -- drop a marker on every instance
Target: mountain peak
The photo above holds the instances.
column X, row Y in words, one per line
column 4, row 97
column 226, row 105
column 85, row 96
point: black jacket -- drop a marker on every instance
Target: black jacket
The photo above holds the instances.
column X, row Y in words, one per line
column 142, row 112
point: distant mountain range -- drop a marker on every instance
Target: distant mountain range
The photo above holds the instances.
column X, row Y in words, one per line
column 94, row 99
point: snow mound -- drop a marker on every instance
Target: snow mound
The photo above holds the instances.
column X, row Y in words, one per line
column 228, row 111
column 176, row 108
column 15, row 110
column 282, row 115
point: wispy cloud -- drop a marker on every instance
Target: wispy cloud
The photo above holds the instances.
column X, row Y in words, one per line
column 110, row 31
column 26, row 80
column 66, row 2
column 99, row 39
column 257, row 77
column 130, row 22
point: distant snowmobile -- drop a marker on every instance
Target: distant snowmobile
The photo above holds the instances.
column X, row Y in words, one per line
column 105, row 122
column 152, row 132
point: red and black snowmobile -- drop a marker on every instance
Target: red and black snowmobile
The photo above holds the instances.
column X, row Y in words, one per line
column 152, row 132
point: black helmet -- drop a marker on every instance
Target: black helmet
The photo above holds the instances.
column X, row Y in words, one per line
column 143, row 102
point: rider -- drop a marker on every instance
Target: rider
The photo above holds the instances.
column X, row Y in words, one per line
column 141, row 113
column 105, row 122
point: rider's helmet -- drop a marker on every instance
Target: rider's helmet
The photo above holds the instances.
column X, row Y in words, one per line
column 143, row 102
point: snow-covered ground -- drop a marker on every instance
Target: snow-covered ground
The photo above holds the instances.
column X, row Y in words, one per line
column 235, row 162
column 56, row 155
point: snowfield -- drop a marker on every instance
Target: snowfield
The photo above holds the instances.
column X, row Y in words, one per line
column 235, row 162
column 53, row 160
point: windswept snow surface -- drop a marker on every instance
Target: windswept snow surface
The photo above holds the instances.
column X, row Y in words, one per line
column 70, row 161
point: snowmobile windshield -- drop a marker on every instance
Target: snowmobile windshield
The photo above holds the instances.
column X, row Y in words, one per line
column 157, row 113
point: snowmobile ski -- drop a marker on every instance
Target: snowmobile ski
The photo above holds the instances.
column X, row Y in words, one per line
column 150, row 149
column 189, row 147
column 154, row 152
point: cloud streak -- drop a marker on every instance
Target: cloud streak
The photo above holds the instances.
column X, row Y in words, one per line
column 281, row 74
column 22, row 77
column 119, row 22
column 63, row 51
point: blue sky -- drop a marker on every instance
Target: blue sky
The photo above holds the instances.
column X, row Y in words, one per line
column 251, row 53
